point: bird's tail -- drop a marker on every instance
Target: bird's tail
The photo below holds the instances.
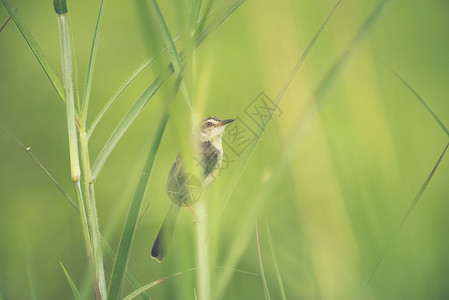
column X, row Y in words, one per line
column 165, row 236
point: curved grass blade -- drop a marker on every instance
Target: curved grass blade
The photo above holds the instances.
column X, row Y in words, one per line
column 174, row 55
column 55, row 182
column 75, row 291
column 40, row 56
column 194, row 15
column 7, row 21
column 120, row 91
column 264, row 280
column 276, row 266
column 152, row 284
column 131, row 115
column 45, row 64
column 124, row 124
column 381, row 257
column 115, row 96
column 90, row 66
column 121, row 261
column 216, row 23
column 143, row 289
column 318, row 100
column 105, row 245
column 248, row 153
column 414, row 92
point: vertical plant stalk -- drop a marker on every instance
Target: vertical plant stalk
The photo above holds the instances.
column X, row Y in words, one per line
column 92, row 217
column 203, row 277
column 66, row 57
column 92, row 239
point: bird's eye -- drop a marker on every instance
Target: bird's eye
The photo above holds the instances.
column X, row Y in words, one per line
column 209, row 124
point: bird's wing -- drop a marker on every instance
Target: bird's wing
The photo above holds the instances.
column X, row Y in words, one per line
column 209, row 159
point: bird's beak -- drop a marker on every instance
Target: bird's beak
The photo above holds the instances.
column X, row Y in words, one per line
column 227, row 121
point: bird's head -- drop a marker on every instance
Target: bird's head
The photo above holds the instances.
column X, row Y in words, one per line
column 212, row 128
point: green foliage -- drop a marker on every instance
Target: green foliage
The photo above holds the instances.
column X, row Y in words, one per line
column 338, row 178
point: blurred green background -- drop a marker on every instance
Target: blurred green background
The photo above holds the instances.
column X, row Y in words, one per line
column 336, row 206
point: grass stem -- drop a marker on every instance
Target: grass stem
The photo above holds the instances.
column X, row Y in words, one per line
column 202, row 253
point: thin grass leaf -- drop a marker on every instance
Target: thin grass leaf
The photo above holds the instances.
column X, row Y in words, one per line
column 129, row 276
column 66, row 57
column 143, row 289
column 121, row 261
column 381, row 257
column 248, row 153
column 152, row 284
column 104, row 243
column 194, row 15
column 428, row 108
column 412, row 205
column 259, row 254
column 75, row 291
column 174, row 55
column 120, row 91
column 124, row 124
column 276, row 266
column 91, row 64
column 132, row 114
column 202, row 34
column 31, row 274
column 45, row 64
column 115, row 96
column 7, row 21
column 55, row 182
column 40, row 56
column 317, row 101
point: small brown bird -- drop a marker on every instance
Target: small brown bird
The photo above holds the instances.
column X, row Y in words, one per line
column 183, row 188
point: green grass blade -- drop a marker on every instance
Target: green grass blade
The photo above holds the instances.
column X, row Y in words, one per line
column 174, row 55
column 414, row 92
column 143, row 289
column 217, row 22
column 75, row 291
column 412, row 205
column 262, row 273
column 381, row 257
column 120, row 90
column 152, row 284
column 55, row 182
column 318, row 100
column 4, row 25
column 133, row 113
column 248, row 153
column 124, row 124
column 129, row 276
column 276, row 266
column 121, row 261
column 90, row 66
column 194, row 15
column 45, row 64
column 66, row 57
column 115, row 96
